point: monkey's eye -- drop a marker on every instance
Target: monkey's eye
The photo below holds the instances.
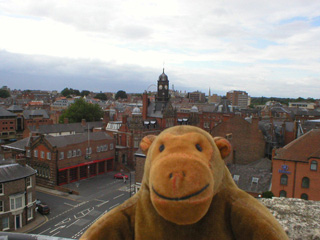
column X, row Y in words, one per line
column 161, row 148
column 198, row 147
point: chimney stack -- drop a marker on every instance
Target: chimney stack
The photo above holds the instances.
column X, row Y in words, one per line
column 83, row 123
column 124, row 119
column 144, row 105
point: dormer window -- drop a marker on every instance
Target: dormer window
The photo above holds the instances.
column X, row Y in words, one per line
column 255, row 180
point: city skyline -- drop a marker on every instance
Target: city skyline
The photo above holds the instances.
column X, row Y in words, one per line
column 267, row 49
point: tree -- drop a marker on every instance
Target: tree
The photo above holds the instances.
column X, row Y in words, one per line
column 267, row 194
column 121, row 94
column 4, row 93
column 101, row 96
column 80, row 109
column 66, row 92
column 84, row 93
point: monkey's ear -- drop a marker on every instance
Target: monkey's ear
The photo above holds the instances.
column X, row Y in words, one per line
column 146, row 143
column 223, row 145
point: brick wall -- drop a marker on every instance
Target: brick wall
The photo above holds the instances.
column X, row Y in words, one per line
column 246, row 139
column 139, row 168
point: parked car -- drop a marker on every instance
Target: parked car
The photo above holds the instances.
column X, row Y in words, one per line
column 43, row 209
column 120, row 176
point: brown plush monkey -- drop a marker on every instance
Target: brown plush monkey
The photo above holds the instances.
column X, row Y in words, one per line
column 187, row 193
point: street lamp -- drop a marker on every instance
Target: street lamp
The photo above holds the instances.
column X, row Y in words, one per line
column 130, row 184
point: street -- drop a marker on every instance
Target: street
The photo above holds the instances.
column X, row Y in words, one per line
column 71, row 216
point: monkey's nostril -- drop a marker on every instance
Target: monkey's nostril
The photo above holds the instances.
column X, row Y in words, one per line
column 183, row 173
column 170, row 175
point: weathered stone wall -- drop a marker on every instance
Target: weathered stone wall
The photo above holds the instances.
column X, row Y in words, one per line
column 299, row 218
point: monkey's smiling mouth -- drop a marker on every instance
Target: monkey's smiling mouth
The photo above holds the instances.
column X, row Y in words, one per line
column 180, row 198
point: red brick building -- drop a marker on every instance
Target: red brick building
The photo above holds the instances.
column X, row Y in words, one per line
column 128, row 134
column 246, row 139
column 64, row 159
column 8, row 125
column 295, row 167
column 36, row 117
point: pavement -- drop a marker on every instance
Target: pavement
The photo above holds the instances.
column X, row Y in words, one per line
column 39, row 218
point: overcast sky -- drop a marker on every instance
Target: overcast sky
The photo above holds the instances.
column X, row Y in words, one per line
column 266, row 48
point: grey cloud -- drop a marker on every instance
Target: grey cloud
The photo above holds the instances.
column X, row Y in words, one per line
column 47, row 73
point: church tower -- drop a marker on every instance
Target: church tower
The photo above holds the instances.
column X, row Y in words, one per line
column 163, row 88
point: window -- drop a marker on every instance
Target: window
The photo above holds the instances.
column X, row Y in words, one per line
column 49, row 155
column 30, row 213
column 236, row 178
column 1, row 206
column 29, row 182
column 74, row 153
column 229, row 136
column 16, row 202
column 79, row 152
column 28, row 153
column 284, row 179
column 314, row 165
column 136, row 143
column 304, row 196
column 111, row 146
column 206, row 124
column 90, row 150
column 1, row 189
column 105, row 147
column 255, row 180
column 305, row 182
column 5, row 223
column 283, row 193
column 29, row 197
column 98, row 149
column 61, row 156
column 42, row 154
column 69, row 154
column 35, row 153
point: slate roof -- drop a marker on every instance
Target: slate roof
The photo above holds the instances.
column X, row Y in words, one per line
column 15, row 108
column 63, row 141
column 6, row 113
column 14, row 171
column 58, row 128
column 18, row 145
column 302, row 148
column 29, row 113
column 65, row 127
column 260, row 169
column 155, row 109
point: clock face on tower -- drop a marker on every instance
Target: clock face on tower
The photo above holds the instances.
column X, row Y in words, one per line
column 166, row 87
column 160, row 87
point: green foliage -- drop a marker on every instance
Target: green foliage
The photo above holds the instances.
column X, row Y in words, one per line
column 4, row 93
column 84, row 93
column 80, row 109
column 284, row 101
column 66, row 92
column 267, row 194
column 121, row 94
column 101, row 96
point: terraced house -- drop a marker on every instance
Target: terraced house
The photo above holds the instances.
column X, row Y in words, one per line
column 17, row 196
